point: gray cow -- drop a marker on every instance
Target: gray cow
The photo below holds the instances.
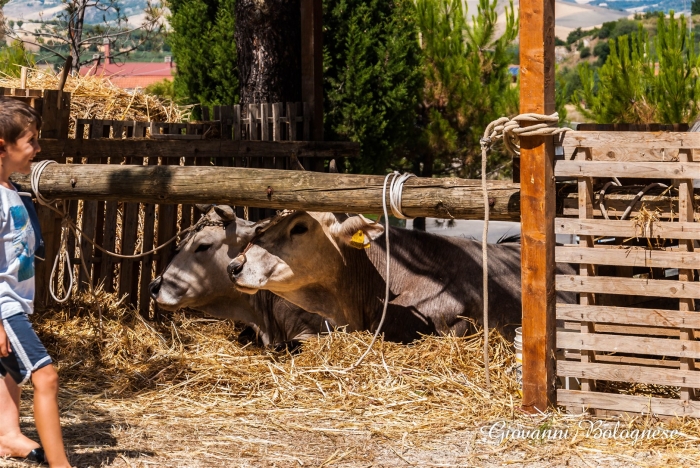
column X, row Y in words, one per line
column 196, row 278
column 317, row 261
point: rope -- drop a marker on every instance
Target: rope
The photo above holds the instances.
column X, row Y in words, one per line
column 395, row 202
column 67, row 223
column 510, row 131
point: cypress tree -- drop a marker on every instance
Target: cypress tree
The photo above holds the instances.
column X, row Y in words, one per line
column 372, row 77
column 203, row 47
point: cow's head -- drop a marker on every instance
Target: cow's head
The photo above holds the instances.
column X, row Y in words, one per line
column 196, row 276
column 300, row 249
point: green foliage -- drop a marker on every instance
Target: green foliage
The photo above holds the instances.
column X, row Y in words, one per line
column 695, row 7
column 372, row 77
column 585, row 52
column 628, row 88
column 601, row 50
column 203, row 47
column 468, row 83
column 13, row 58
column 575, row 35
column 163, row 88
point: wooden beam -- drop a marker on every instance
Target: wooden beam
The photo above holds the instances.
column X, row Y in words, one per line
column 538, row 199
column 639, row 257
column 643, row 170
column 629, row 344
column 633, row 404
column 312, row 63
column 652, row 140
column 631, row 374
column 629, row 286
column 140, row 147
column 628, row 228
column 273, row 188
column 629, row 316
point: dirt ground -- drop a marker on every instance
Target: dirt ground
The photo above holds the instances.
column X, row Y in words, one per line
column 183, row 393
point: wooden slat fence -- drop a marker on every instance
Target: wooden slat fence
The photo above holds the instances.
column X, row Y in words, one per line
column 635, row 322
column 136, row 227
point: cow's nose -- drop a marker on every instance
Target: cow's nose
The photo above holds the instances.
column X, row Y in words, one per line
column 154, row 287
column 236, row 266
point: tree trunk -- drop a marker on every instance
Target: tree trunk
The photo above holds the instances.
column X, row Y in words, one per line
column 268, row 41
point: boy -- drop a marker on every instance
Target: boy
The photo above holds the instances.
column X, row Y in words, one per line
column 22, row 356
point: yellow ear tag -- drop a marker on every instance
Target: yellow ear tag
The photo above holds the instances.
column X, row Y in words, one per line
column 359, row 241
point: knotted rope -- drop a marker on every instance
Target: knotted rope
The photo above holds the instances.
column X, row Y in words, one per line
column 510, row 131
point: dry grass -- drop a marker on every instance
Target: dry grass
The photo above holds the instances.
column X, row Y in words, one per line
column 94, row 97
column 183, row 392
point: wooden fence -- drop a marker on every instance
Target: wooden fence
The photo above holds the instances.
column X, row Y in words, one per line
column 635, row 322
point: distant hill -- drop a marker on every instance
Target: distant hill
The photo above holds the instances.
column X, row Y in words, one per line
column 640, row 6
column 31, row 11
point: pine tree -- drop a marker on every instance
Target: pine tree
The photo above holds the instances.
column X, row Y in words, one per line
column 628, row 88
column 468, row 83
column 204, row 49
column 372, row 77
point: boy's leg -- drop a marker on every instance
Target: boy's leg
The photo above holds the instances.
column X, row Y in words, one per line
column 46, row 416
column 12, row 442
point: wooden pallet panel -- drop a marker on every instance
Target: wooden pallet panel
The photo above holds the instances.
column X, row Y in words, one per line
column 638, row 170
column 633, row 256
column 627, row 228
column 628, row 344
column 629, row 403
column 628, row 286
column 652, row 140
column 629, row 373
column 629, row 316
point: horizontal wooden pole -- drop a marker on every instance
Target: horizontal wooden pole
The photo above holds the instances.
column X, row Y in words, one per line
column 629, row 286
column 629, row 316
column 629, row 344
column 626, row 329
column 631, row 374
column 645, row 170
column 639, row 257
column 631, row 403
column 651, row 140
column 146, row 147
column 626, row 228
column 276, row 189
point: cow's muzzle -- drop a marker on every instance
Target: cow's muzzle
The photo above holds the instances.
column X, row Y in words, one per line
column 154, row 287
column 235, row 267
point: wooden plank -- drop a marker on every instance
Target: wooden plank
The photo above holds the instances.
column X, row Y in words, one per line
column 628, row 373
column 149, row 210
column 629, row 403
column 55, row 114
column 237, row 122
column 651, row 140
column 627, row 228
column 292, row 120
column 629, row 316
column 644, row 170
column 305, row 190
column 616, row 153
column 138, row 147
column 538, row 198
column 128, row 270
column 276, row 123
column 629, row 286
column 265, row 121
column 253, row 126
column 686, row 214
column 312, row 64
column 628, row 344
column 617, row 203
column 108, row 243
column 644, row 330
column 672, row 363
column 226, row 117
column 632, row 256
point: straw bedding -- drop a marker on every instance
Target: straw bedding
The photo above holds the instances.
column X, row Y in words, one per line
column 183, row 392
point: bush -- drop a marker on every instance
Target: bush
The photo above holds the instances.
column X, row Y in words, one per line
column 585, row 52
column 163, row 88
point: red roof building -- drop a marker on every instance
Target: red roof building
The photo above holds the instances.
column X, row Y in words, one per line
column 130, row 75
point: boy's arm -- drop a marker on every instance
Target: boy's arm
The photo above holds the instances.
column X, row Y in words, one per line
column 5, row 349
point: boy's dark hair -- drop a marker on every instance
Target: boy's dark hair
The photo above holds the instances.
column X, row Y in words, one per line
column 15, row 118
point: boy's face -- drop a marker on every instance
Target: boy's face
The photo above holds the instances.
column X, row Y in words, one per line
column 18, row 156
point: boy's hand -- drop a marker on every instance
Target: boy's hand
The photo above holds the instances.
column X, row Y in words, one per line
column 5, row 349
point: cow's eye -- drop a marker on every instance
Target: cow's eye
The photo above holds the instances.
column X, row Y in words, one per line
column 202, row 248
column 298, row 229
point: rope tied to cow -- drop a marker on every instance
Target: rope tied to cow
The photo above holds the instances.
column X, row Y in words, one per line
column 67, row 224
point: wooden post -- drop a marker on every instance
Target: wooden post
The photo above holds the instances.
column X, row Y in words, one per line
column 312, row 63
column 537, row 207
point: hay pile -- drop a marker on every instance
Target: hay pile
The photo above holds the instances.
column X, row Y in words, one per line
column 187, row 383
column 94, row 97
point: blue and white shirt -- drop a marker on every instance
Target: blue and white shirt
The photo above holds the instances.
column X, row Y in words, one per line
column 17, row 247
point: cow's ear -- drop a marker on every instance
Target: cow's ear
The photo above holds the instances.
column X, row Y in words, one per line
column 204, row 208
column 358, row 231
column 226, row 213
